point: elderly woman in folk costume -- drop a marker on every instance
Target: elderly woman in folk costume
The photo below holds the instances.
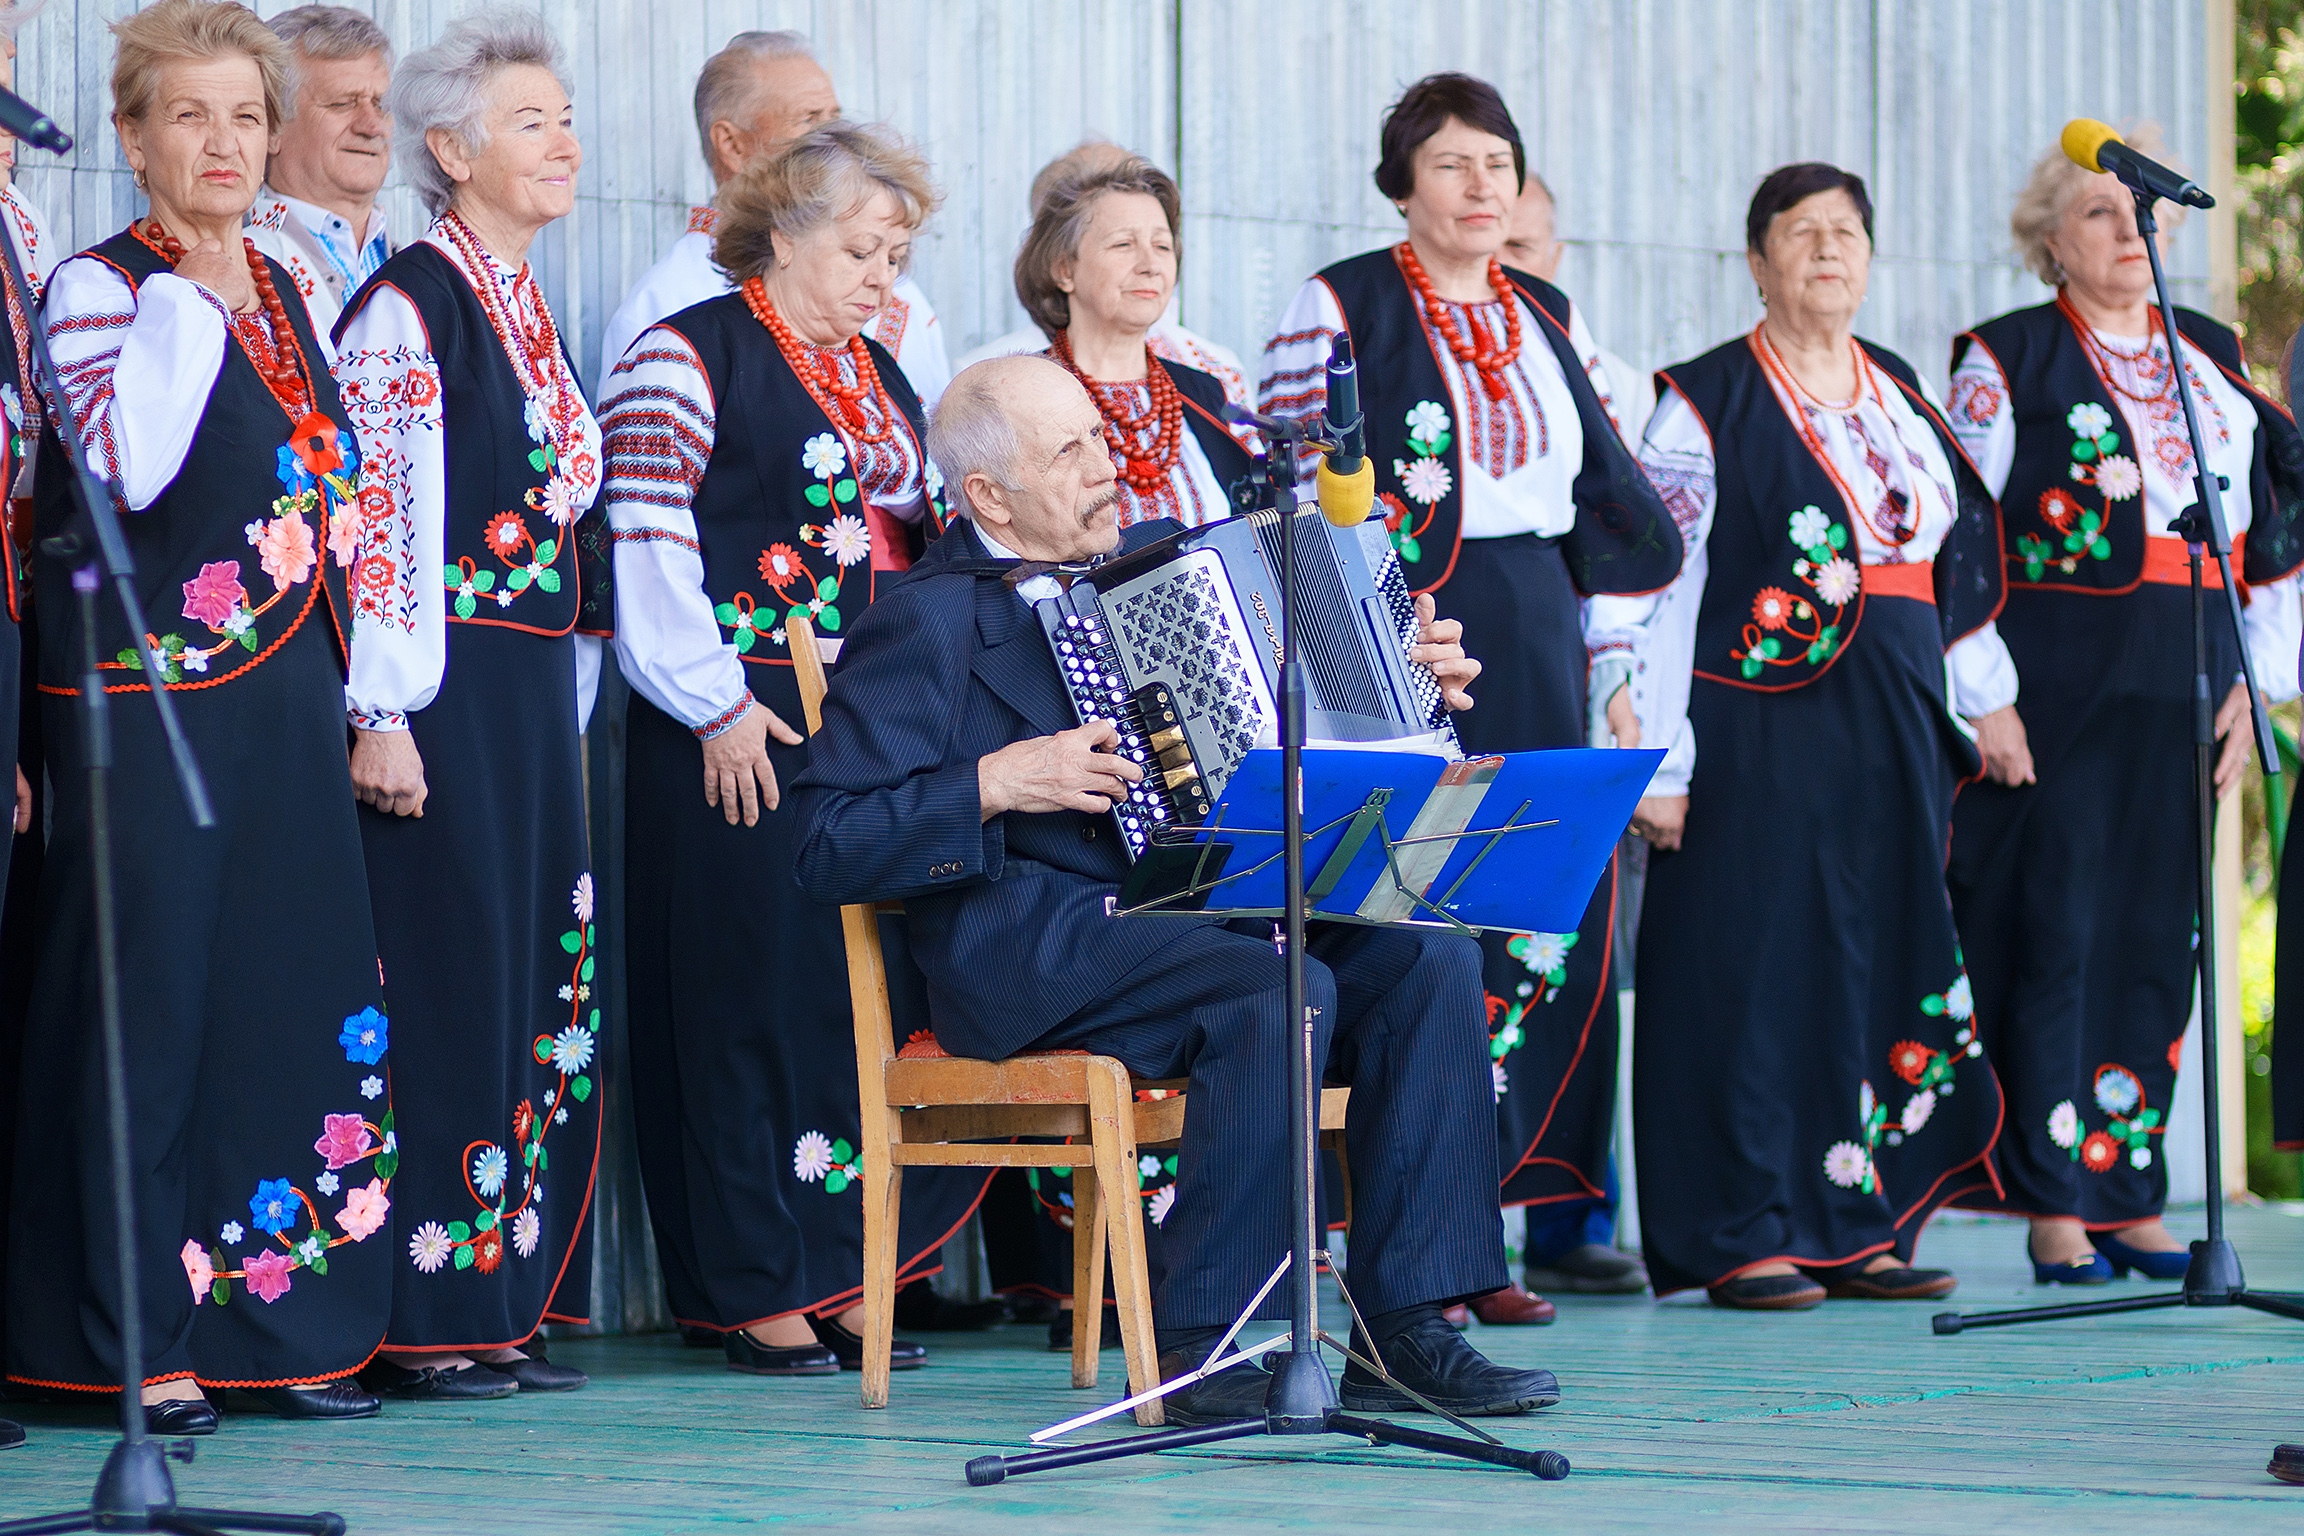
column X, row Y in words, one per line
column 466, row 700
column 253, row 1019
column 1510, row 498
column 2074, row 885
column 764, row 460
column 1802, row 1111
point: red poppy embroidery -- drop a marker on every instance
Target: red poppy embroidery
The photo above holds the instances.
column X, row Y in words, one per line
column 1772, row 608
column 1908, row 1059
column 2099, row 1152
column 2059, row 508
column 505, row 533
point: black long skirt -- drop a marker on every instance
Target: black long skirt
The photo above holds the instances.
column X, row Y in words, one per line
column 2075, row 898
column 1552, row 1012
column 484, row 914
column 258, row 1103
column 1806, row 1080
column 743, row 1050
column 2288, row 992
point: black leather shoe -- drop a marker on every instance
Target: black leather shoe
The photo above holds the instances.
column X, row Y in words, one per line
column 197, row 1417
column 1435, row 1359
column 432, row 1383
column 1900, row 1284
column 1060, row 1332
column 749, row 1357
column 903, row 1354
column 920, row 1310
column 11, row 1434
column 537, row 1374
column 328, row 1400
column 1767, row 1293
column 1230, row 1395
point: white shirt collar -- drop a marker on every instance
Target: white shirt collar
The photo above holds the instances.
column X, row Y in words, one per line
column 1031, row 591
column 336, row 232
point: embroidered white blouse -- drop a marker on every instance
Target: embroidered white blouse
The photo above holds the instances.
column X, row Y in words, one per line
column 389, row 380
column 1984, row 420
column 1166, row 339
column 1879, row 446
column 326, row 258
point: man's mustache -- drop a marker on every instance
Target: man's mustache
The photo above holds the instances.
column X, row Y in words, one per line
column 1111, row 497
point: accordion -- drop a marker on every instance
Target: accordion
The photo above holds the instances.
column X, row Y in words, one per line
column 1178, row 645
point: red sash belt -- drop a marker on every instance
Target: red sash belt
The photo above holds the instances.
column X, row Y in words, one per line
column 1913, row 579
column 2168, row 562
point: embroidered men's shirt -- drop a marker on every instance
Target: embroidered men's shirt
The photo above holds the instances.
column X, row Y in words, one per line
column 321, row 250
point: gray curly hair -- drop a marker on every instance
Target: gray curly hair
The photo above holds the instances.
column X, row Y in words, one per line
column 446, row 86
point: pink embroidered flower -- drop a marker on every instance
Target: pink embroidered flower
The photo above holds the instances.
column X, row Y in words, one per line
column 581, row 899
column 557, row 500
column 364, row 1211
column 286, row 550
column 268, row 1275
column 344, row 1142
column 344, row 536
column 213, row 596
column 198, row 1270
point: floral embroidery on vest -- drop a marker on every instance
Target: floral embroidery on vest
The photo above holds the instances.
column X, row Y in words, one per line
column 1546, row 957
column 1926, row 1070
column 1155, row 1182
column 1779, row 616
column 798, row 591
column 479, row 1243
column 2131, row 1126
column 280, row 1208
column 527, row 561
column 1426, row 480
column 833, row 1163
column 2096, row 462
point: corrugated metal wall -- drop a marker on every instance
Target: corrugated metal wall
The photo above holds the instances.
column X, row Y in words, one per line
column 1651, row 119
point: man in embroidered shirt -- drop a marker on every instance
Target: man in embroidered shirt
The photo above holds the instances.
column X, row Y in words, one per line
column 317, row 215
column 759, row 93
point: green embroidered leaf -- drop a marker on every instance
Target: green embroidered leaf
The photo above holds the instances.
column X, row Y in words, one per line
column 1061, row 1173
column 2148, row 1119
column 484, row 1222
column 466, row 606
column 592, row 936
column 2032, row 569
column 319, row 1266
column 387, row 1165
column 385, row 1125
column 220, row 1291
column 1557, row 976
column 1829, row 634
column 2084, row 451
column 584, row 971
column 248, row 637
column 547, row 552
column 1817, row 651
column 483, row 581
column 844, row 492
column 549, row 581
column 452, row 575
column 817, row 495
column 2090, row 522
column 459, row 1233
column 1821, row 554
column 595, row 1012
column 537, row 459
column 744, row 639
column 464, row 1257
column 543, row 1158
column 828, row 588
column 726, row 613
column 1439, row 445
column 572, row 941
column 1838, row 536
column 582, row 1088
column 835, row 1181
column 2108, row 443
column 1750, row 667
column 1410, row 550
column 1933, row 1005
column 2100, row 550
column 518, row 580
column 828, row 619
column 541, row 1049
column 1771, row 648
column 130, row 659
column 528, row 1152
column 842, row 1152
column 1169, row 1163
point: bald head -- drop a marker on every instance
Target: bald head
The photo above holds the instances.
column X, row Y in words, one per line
column 1085, row 158
column 1022, row 447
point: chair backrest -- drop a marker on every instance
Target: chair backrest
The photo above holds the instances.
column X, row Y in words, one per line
column 859, row 925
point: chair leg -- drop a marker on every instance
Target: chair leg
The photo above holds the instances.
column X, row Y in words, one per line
column 1112, row 1121
column 883, row 1200
column 1088, row 1218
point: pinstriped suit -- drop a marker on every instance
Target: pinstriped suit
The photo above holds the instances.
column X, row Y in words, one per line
column 1008, row 924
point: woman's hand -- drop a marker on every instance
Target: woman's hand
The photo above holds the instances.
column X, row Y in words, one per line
column 1661, row 819
column 388, row 772
column 21, row 822
column 1440, row 647
column 738, row 778
column 2006, row 750
column 1623, row 720
column 2238, row 736
column 223, row 273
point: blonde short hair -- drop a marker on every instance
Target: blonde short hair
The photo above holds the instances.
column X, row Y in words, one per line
column 828, row 171
column 2056, row 181
column 1060, row 222
column 162, row 34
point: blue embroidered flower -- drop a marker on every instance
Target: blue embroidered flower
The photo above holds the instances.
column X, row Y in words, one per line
column 366, row 1036
column 273, row 1207
column 290, row 470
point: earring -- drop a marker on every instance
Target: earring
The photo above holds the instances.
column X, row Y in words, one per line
column 1756, row 288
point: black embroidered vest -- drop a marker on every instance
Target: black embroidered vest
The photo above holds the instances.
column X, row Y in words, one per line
column 506, row 561
column 1778, row 607
column 780, row 516
column 15, row 540
column 1624, row 541
column 1204, row 413
column 246, row 545
column 2067, row 531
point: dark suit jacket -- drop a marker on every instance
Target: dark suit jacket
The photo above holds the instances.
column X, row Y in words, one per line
column 1007, row 916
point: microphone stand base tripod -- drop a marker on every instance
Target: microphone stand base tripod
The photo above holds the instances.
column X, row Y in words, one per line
column 2213, row 1278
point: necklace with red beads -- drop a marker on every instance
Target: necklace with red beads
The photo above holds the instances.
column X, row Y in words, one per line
column 278, row 357
column 1143, row 470
column 1481, row 353
column 534, row 349
column 818, row 369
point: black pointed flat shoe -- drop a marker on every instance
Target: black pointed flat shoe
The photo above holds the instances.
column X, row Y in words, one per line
column 1899, row 1284
column 748, row 1356
column 327, row 1400
column 433, row 1383
column 1767, row 1293
column 537, row 1374
column 903, row 1354
column 196, row 1417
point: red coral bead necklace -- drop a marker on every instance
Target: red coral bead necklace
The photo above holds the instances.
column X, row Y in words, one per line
column 1482, row 353
column 1144, row 471
column 819, row 371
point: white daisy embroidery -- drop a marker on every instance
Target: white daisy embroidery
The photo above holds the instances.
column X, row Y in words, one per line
column 1163, row 1201
column 572, row 1049
column 2118, row 477
column 847, row 540
column 1499, row 1082
column 232, row 1234
column 2089, row 420
column 2116, row 1092
column 1918, row 1108
column 327, row 1184
column 1810, row 527
column 429, row 1247
column 1960, row 999
column 2064, row 1125
column 1845, row 1164
column 1426, row 421
column 824, row 455
column 811, row 1157
column 489, row 1170
column 371, row 1087
column 581, row 898
column 1426, row 481
column 1838, row 582
column 525, row 1230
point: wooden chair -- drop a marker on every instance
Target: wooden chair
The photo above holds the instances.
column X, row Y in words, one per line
column 924, row 1108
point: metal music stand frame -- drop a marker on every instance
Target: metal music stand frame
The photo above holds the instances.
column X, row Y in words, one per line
column 2213, row 1279
column 134, row 1492
column 1301, row 1399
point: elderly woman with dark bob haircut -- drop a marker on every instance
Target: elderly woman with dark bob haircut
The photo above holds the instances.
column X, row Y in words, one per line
column 764, row 462
column 253, row 1018
column 470, row 584
column 1510, row 498
column 1095, row 273
column 1801, row 1110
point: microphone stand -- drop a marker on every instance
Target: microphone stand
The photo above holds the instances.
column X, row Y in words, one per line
column 2213, row 1279
column 1301, row 1399
column 134, row 1492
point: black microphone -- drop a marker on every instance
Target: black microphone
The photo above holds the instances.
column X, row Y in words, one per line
column 1342, row 423
column 2095, row 146
column 33, row 126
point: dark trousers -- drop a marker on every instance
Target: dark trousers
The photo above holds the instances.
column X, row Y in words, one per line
column 1400, row 1018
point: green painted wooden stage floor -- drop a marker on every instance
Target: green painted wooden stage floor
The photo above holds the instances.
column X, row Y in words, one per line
column 1677, row 1416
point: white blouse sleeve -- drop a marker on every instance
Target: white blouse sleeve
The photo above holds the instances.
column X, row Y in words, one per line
column 390, row 384
column 2274, row 628
column 1981, row 416
column 656, row 422
column 138, row 366
column 1295, row 371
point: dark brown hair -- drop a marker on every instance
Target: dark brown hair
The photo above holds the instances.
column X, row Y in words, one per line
column 1424, row 109
column 1789, row 185
column 1060, row 223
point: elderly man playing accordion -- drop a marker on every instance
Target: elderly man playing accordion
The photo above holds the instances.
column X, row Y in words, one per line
column 949, row 773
